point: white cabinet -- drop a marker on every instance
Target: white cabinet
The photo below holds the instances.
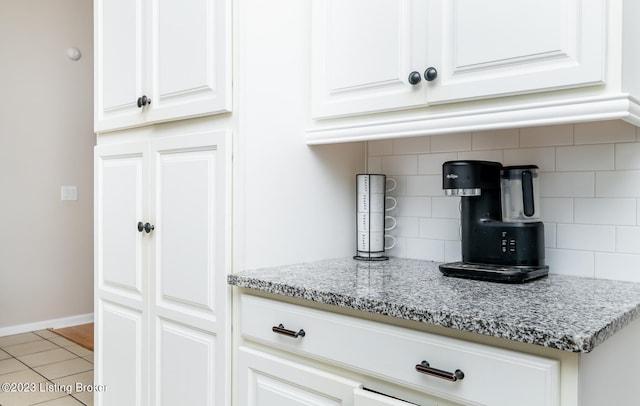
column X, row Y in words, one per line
column 162, row 221
column 364, row 397
column 442, row 370
column 267, row 380
column 159, row 60
column 501, row 47
column 364, row 51
column 500, row 64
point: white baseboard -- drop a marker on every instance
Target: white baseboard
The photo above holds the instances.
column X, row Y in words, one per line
column 41, row 325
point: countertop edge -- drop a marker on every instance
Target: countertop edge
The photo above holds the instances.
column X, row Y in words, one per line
column 494, row 328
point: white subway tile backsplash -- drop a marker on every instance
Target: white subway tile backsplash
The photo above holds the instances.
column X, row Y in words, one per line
column 431, row 164
column 374, row 164
column 556, row 209
column 604, row 132
column 550, row 235
column 489, row 155
column 381, row 147
column 544, row 157
column 400, row 249
column 567, row 184
column 585, row 158
column 417, row 145
column 430, row 250
column 452, row 251
column 617, row 266
column 605, row 211
column 414, row 206
column 586, row 237
column 628, row 240
column 546, row 136
column 451, row 142
column 425, row 185
column 628, row 156
column 400, row 165
column 496, row 139
column 618, row 184
column 445, row 207
column 406, row 227
column 439, row 229
column 568, row 262
column 589, row 192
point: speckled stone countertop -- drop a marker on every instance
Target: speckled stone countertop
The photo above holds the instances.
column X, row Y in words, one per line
column 564, row 312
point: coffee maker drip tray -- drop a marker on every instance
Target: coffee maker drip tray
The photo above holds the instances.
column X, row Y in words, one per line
column 494, row 273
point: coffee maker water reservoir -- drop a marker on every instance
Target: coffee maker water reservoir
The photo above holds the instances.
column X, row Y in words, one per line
column 519, row 186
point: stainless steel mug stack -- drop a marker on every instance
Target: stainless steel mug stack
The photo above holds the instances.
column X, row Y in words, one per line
column 371, row 216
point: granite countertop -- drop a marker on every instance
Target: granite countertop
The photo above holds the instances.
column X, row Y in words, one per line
column 564, row 312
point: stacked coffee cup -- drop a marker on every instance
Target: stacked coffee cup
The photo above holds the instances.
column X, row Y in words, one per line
column 372, row 221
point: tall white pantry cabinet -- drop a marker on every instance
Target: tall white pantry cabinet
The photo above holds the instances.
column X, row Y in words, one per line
column 162, row 202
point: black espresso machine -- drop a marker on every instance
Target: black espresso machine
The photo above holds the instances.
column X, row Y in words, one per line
column 502, row 235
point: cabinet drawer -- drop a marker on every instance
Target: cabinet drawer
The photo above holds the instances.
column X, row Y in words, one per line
column 492, row 376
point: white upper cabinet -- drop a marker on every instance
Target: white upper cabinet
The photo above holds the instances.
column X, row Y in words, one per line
column 160, row 60
column 363, row 51
column 497, row 47
column 372, row 56
column 385, row 69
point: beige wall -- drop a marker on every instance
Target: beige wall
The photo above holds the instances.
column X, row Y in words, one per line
column 46, row 141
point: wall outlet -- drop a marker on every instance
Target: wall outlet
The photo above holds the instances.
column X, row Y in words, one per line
column 68, row 193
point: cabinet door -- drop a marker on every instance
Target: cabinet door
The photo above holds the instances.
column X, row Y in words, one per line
column 266, row 380
column 505, row 47
column 190, row 54
column 189, row 313
column 120, row 354
column 363, row 52
column 120, row 66
column 121, row 269
column 121, row 178
column 178, row 54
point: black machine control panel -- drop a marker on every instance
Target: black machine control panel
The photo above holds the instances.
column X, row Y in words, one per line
column 507, row 243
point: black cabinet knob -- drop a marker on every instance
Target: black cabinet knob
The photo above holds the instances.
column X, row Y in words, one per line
column 146, row 227
column 143, row 101
column 414, row 78
column 430, row 74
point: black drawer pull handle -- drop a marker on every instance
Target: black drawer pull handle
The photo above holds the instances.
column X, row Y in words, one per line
column 424, row 368
column 290, row 333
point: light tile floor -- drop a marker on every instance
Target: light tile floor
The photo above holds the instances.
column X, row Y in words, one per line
column 41, row 368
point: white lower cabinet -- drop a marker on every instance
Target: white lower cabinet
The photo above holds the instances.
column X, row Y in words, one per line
column 422, row 368
column 363, row 397
column 268, row 380
column 161, row 241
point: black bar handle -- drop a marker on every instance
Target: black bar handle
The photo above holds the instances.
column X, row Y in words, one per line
column 290, row 333
column 527, row 193
column 424, row 368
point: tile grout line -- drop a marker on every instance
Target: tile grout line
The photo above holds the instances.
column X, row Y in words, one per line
column 38, row 373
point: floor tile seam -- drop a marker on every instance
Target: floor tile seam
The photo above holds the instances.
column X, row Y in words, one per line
column 39, row 352
column 23, row 342
column 68, row 350
column 44, row 402
column 33, row 370
column 74, row 373
column 39, row 335
column 30, row 353
column 81, row 402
